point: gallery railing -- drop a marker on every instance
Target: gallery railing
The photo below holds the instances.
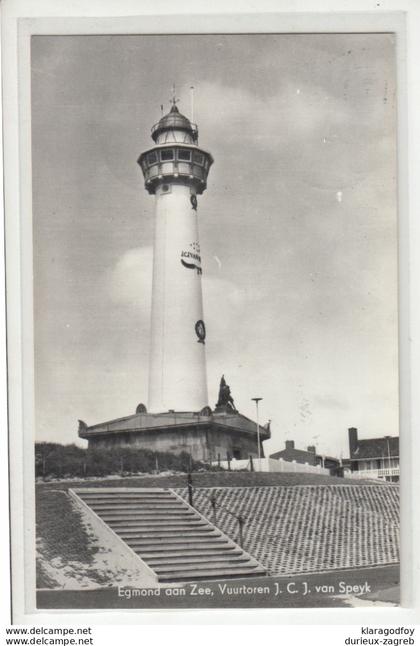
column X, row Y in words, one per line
column 240, row 518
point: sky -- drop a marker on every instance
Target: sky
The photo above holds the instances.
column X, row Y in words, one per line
column 298, row 226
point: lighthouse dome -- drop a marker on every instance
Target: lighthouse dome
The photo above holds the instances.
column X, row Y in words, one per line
column 174, row 126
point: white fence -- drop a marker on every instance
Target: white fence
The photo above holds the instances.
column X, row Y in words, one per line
column 373, row 474
column 270, row 465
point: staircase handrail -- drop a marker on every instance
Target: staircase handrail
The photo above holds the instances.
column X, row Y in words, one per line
column 232, row 513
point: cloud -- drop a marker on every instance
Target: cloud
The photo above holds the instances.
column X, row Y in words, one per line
column 286, row 114
column 130, row 281
column 331, row 402
column 130, row 285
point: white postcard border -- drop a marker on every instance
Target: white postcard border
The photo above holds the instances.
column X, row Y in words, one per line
column 127, row 17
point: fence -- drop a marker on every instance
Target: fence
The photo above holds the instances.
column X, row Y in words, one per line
column 373, row 474
column 272, row 466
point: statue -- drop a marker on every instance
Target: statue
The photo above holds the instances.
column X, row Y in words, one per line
column 82, row 425
column 225, row 398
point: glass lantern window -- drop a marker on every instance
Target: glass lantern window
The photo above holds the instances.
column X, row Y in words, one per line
column 167, row 155
column 198, row 158
column 184, row 155
column 152, row 158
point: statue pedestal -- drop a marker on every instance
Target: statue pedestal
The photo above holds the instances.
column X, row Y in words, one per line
column 228, row 409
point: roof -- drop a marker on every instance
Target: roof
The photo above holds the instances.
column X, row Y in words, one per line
column 377, row 447
column 146, row 422
column 290, row 454
column 239, row 422
column 173, row 120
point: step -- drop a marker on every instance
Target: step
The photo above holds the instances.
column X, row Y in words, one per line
column 220, row 573
column 123, row 507
column 150, row 521
column 151, row 493
column 169, row 541
column 125, row 494
column 181, row 519
column 140, row 491
column 148, row 513
column 181, row 554
column 159, row 565
column 194, row 548
column 141, row 495
column 169, row 502
column 185, row 534
column 112, row 511
column 122, row 510
column 130, row 499
column 153, row 530
column 176, row 524
column 166, row 568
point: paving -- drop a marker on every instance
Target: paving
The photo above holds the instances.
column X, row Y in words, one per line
column 291, row 530
column 317, row 590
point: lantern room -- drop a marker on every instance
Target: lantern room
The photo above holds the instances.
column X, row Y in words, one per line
column 176, row 156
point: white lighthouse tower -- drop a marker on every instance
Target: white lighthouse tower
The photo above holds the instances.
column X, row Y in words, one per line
column 178, row 418
column 175, row 172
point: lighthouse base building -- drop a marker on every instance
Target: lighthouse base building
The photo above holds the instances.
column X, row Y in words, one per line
column 206, row 436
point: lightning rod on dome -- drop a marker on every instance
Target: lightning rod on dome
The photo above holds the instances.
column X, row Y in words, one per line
column 174, row 100
column 192, row 102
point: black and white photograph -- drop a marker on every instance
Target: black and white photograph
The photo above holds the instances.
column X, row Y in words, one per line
column 215, row 320
column 207, row 319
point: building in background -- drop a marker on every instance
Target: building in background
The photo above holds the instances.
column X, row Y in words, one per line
column 378, row 457
column 308, row 456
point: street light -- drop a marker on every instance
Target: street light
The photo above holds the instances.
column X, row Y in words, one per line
column 257, row 400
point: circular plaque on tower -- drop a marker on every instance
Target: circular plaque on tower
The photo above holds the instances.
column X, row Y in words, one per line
column 200, row 330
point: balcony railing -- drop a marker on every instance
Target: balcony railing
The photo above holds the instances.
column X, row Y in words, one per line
column 374, row 474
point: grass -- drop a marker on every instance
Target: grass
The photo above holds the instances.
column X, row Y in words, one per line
column 64, row 545
column 211, row 479
column 59, row 524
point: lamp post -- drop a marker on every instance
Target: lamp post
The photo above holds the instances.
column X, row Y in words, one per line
column 257, row 400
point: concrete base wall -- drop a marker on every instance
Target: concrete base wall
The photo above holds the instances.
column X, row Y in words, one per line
column 203, row 444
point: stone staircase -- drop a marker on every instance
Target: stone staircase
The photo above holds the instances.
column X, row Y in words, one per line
column 169, row 535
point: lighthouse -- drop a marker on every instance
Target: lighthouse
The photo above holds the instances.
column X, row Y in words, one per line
column 175, row 172
column 178, row 418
